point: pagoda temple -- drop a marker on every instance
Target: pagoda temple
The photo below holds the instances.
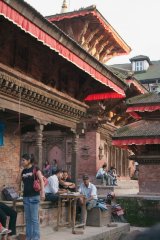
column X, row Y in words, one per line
column 57, row 99
column 142, row 138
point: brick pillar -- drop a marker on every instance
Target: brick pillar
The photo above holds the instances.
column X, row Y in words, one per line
column 38, row 145
column 149, row 177
column 74, row 161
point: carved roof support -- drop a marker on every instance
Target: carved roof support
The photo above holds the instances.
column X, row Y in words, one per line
column 83, row 32
column 88, row 38
column 105, row 52
column 94, row 42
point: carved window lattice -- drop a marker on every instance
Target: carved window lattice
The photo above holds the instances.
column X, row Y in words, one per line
column 85, row 152
column 69, row 152
column 101, row 152
column 106, row 151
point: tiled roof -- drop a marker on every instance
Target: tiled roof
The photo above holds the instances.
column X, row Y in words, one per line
column 153, row 72
column 124, row 74
column 144, row 99
column 140, row 57
column 142, row 128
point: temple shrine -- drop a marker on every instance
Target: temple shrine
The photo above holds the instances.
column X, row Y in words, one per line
column 57, row 98
column 142, row 138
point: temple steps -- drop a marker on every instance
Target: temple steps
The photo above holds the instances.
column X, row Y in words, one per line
column 125, row 187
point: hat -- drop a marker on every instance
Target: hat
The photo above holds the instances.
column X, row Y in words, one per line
column 85, row 177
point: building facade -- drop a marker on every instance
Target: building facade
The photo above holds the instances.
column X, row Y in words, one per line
column 47, row 84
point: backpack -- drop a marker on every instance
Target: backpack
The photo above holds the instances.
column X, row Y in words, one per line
column 9, row 193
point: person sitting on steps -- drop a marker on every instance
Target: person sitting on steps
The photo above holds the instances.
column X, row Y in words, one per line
column 104, row 176
column 112, row 176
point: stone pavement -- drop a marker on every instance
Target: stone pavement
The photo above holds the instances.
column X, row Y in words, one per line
column 90, row 233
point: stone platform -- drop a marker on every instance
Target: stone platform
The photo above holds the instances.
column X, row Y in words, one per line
column 125, row 187
column 94, row 233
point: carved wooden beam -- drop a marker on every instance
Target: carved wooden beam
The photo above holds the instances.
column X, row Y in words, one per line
column 79, row 29
column 100, row 47
column 120, row 121
column 106, row 50
column 83, row 31
column 25, row 93
column 89, row 36
column 93, row 43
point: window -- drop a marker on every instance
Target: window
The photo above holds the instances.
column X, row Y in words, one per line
column 139, row 66
column 1, row 134
column 154, row 88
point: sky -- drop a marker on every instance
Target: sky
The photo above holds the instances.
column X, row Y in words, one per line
column 136, row 21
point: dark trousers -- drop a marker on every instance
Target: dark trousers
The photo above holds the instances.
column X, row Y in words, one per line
column 12, row 214
column 51, row 197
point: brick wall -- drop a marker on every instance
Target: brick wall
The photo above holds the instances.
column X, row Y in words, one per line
column 149, row 179
column 91, row 163
column 9, row 157
column 87, row 154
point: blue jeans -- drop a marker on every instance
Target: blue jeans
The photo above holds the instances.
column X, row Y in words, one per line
column 31, row 206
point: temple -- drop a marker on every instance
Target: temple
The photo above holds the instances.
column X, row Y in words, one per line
column 142, row 138
column 57, row 98
column 90, row 29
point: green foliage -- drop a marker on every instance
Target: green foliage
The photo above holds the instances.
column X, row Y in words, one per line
column 140, row 211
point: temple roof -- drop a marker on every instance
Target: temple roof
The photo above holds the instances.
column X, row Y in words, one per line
column 28, row 19
column 32, row 22
column 128, row 77
column 90, row 24
column 145, row 99
column 142, row 128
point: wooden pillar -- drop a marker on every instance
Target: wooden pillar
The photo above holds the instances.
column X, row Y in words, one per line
column 74, row 161
column 121, row 161
column 109, row 156
column 118, row 161
column 126, row 164
column 38, row 145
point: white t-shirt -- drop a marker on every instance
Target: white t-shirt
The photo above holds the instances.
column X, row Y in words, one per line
column 100, row 172
column 52, row 185
column 89, row 191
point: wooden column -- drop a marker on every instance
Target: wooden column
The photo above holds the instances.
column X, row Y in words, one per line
column 38, row 145
column 121, row 161
column 74, row 161
column 109, row 156
column 118, row 161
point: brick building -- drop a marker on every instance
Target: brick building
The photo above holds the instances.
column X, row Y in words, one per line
column 48, row 82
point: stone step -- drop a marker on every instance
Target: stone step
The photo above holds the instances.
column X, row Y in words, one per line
column 125, row 187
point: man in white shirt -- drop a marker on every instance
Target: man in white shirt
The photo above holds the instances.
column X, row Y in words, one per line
column 90, row 191
column 52, row 190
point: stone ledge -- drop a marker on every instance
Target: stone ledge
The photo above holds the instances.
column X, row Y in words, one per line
column 90, row 233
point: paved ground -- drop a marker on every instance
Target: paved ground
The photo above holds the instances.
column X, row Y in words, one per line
column 90, row 233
